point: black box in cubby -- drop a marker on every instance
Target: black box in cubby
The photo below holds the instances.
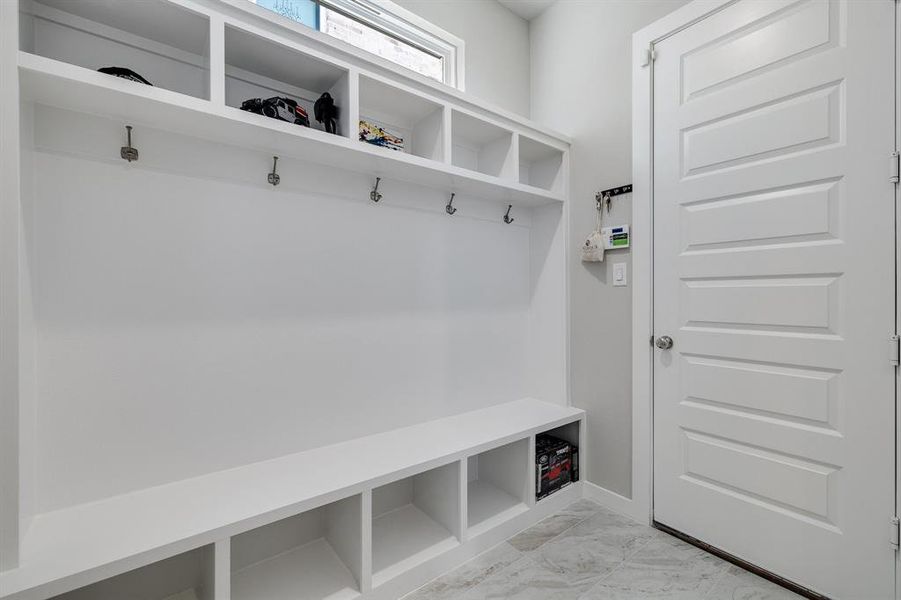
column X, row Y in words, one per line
column 556, row 464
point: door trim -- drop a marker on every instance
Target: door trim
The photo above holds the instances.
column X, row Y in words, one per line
column 642, row 507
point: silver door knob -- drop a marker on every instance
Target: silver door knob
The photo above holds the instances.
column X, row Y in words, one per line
column 664, row 342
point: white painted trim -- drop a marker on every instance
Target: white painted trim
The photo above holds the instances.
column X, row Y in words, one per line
column 11, row 508
column 643, row 247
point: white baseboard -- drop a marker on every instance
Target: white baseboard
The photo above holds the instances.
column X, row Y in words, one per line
column 614, row 502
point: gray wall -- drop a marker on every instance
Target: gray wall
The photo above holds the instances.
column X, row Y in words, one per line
column 497, row 47
column 581, row 85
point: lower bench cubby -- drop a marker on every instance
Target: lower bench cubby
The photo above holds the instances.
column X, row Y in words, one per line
column 413, row 520
column 313, row 555
column 498, row 485
column 187, row 576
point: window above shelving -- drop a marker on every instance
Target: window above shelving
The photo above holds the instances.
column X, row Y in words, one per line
column 384, row 29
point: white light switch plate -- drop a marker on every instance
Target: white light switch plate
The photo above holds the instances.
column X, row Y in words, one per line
column 620, row 275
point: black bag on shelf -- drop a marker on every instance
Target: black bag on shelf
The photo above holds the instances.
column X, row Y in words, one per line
column 278, row 107
column 326, row 112
column 124, row 73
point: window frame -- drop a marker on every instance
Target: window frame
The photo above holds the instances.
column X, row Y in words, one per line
column 395, row 21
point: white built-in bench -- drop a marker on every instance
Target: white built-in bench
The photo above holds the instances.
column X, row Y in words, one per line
column 373, row 517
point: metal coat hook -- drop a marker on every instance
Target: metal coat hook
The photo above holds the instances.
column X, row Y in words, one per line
column 507, row 218
column 128, row 152
column 605, row 197
column 273, row 177
column 450, row 205
column 374, row 195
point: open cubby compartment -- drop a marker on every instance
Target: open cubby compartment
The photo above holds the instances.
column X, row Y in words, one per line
column 569, row 432
column 481, row 146
column 417, row 120
column 497, row 485
column 311, row 556
column 540, row 165
column 415, row 519
column 187, row 576
column 256, row 67
column 164, row 43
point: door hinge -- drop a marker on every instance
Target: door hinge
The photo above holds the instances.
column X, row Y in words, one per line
column 894, row 167
column 894, row 532
column 650, row 55
column 894, row 350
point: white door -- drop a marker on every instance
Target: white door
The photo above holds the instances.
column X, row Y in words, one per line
column 774, row 275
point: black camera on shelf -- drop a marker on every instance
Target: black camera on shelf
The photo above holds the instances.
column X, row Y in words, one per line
column 278, row 107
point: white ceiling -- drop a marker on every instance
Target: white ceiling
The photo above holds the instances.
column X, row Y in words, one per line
column 527, row 9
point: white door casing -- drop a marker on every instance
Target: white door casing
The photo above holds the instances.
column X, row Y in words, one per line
column 773, row 413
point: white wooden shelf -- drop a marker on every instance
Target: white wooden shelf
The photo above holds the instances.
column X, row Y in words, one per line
column 488, row 505
column 404, row 538
column 311, row 572
column 54, row 83
column 77, row 546
column 499, row 486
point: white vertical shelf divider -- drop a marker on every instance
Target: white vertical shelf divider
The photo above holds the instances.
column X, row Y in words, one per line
column 531, row 475
column 216, row 69
column 217, row 584
column 12, row 510
column 462, row 498
column 366, row 542
column 447, row 150
column 352, row 120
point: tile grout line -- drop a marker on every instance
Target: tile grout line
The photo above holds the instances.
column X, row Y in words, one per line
column 610, row 573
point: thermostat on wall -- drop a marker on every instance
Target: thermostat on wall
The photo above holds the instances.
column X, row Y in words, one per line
column 615, row 237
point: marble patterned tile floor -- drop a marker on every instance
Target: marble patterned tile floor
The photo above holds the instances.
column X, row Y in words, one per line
column 586, row 552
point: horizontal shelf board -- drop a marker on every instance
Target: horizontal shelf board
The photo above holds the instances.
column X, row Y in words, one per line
column 404, row 538
column 50, row 82
column 310, row 572
column 72, row 547
column 488, row 506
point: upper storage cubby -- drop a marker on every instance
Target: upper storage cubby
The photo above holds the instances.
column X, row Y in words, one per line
column 413, row 520
column 400, row 120
column 311, row 556
column 165, row 44
column 480, row 146
column 540, row 165
column 187, row 576
column 256, row 67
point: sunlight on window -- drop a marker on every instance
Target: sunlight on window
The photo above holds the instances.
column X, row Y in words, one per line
column 359, row 34
column 372, row 40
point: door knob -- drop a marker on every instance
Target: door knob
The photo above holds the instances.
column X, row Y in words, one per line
column 664, row 342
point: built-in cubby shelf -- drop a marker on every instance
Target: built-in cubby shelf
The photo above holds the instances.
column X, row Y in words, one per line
column 283, row 539
column 481, row 146
column 354, row 514
column 256, row 67
column 186, row 576
column 311, row 556
column 498, row 485
column 414, row 519
column 166, row 44
column 540, row 165
column 417, row 120
column 180, row 50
